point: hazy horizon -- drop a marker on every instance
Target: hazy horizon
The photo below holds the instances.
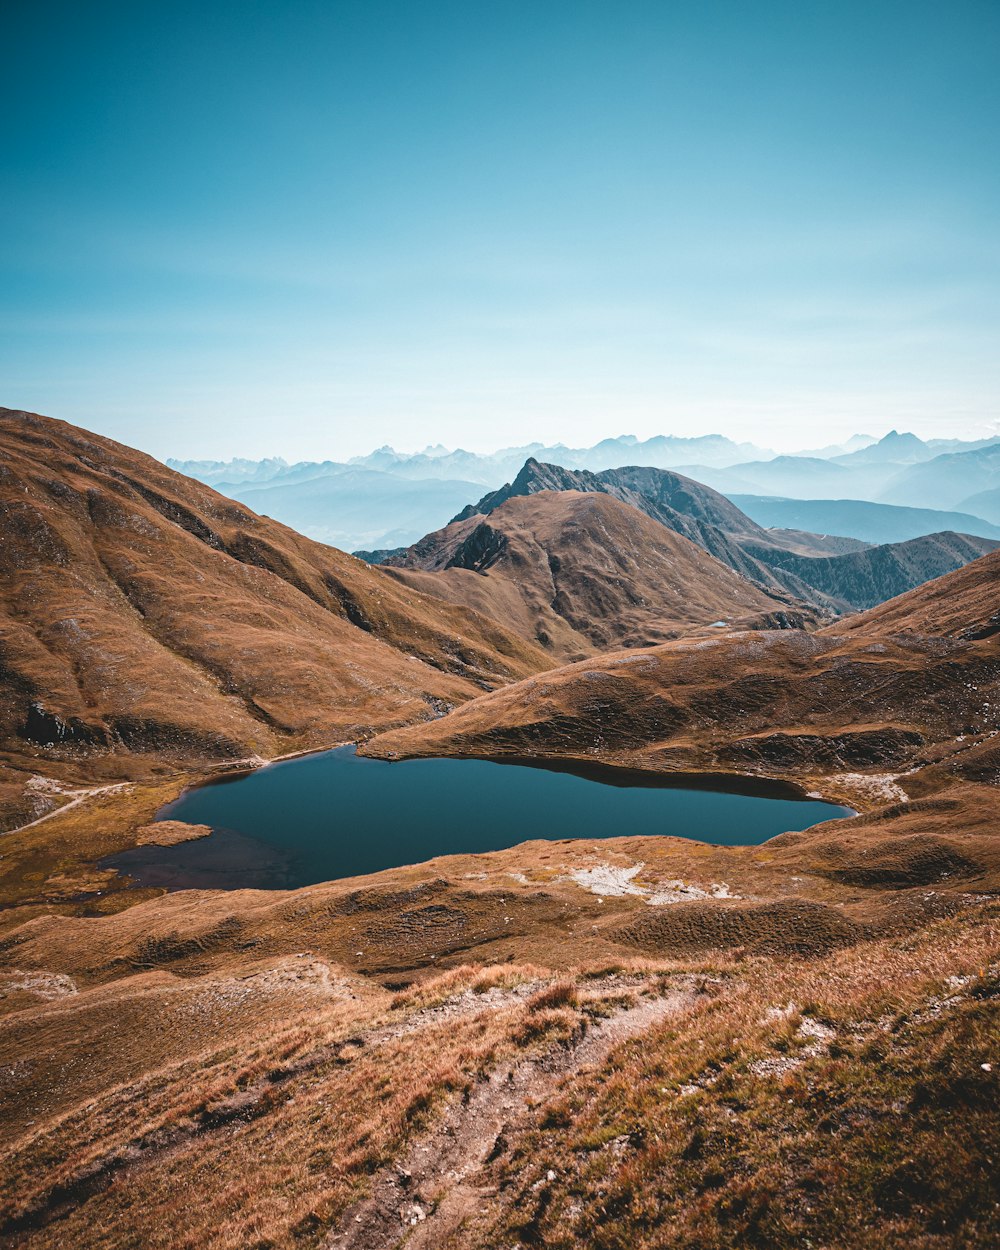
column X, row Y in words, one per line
column 314, row 229
column 496, row 449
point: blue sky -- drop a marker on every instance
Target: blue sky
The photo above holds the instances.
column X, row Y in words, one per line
column 311, row 228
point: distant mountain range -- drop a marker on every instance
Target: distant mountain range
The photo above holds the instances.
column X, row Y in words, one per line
column 986, row 503
column 856, row 518
column 390, row 498
column 439, row 462
column 350, row 508
column 899, row 469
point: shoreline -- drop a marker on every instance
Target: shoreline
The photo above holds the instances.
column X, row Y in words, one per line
column 605, row 772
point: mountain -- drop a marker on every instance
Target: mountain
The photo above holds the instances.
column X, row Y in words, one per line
column 660, row 451
column 797, row 477
column 835, row 574
column 701, row 514
column 899, row 469
column 861, row 579
column 911, row 686
column 855, row 443
column 986, row 503
column 894, row 448
column 663, row 451
column 357, row 507
column 213, row 472
column 708, row 452
column 458, row 465
column 946, row 481
column 964, row 605
column 941, row 446
column 856, row 518
column 440, row 463
column 576, row 572
column 144, row 615
column 679, row 499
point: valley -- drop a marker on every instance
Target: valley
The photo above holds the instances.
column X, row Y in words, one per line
column 564, row 1024
column 500, row 626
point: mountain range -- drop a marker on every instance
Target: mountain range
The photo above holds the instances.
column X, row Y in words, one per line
column 899, row 469
column 800, row 568
column 855, row 518
column 438, row 462
column 389, row 499
column 629, row 1042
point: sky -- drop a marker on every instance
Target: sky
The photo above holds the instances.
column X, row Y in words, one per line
column 309, row 229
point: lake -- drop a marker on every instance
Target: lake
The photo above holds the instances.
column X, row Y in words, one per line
column 337, row 814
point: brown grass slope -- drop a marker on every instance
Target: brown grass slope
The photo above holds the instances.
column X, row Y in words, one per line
column 479, row 1052
column 697, row 512
column 576, row 572
column 142, row 613
column 913, row 685
column 964, row 604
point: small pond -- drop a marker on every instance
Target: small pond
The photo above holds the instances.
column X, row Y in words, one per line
column 337, row 814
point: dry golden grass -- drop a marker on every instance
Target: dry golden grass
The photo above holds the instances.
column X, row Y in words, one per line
column 275, row 1128
column 843, row 1102
column 838, row 1100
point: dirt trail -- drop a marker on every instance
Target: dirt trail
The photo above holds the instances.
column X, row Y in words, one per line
column 442, row 1178
column 76, row 797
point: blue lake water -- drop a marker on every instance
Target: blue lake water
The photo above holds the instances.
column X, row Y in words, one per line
column 337, row 814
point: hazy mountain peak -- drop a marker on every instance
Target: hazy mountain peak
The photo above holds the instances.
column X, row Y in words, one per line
column 895, row 438
column 236, row 470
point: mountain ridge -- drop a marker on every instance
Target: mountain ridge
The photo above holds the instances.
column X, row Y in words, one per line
column 577, row 571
